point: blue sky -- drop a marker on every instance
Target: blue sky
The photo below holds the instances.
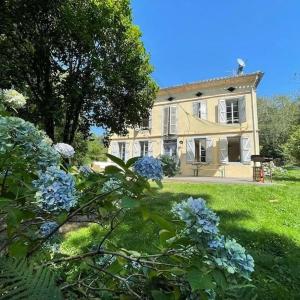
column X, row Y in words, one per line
column 191, row 40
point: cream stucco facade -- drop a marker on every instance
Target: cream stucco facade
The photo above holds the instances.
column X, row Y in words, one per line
column 210, row 126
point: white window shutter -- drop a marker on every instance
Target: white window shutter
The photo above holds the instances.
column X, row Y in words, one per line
column 242, row 109
column 165, row 120
column 173, row 120
column 196, row 109
column 245, row 150
column 127, row 153
column 209, row 150
column 223, row 150
column 150, row 119
column 222, row 111
column 114, row 149
column 203, row 109
column 136, row 149
column 190, row 150
column 150, row 148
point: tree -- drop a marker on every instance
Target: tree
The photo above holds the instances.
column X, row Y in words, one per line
column 95, row 150
column 81, row 63
column 292, row 147
column 276, row 119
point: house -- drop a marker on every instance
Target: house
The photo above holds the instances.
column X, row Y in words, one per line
column 211, row 126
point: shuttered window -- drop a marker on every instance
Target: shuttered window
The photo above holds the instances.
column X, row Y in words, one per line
column 245, row 150
column 122, row 150
column 199, row 149
column 169, row 120
column 147, row 122
column 200, row 109
column 144, row 148
column 232, row 111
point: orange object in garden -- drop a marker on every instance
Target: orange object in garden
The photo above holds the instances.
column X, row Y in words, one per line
column 262, row 175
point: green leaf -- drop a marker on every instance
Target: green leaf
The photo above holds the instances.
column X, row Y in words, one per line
column 117, row 160
column 115, row 267
column 61, row 217
column 129, row 203
column 112, row 170
column 220, row 279
column 20, row 281
column 4, row 202
column 18, row 249
column 131, row 161
column 199, row 281
column 163, row 223
column 164, row 235
column 14, row 217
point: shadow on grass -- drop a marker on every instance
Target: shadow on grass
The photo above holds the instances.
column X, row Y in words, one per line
column 277, row 272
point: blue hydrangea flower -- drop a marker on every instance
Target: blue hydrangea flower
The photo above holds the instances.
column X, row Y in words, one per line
column 32, row 147
column 55, row 190
column 65, row 150
column 47, row 228
column 230, row 255
column 85, row 170
column 201, row 222
column 149, row 167
column 115, row 184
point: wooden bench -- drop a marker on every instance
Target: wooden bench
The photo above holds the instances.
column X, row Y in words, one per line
column 197, row 166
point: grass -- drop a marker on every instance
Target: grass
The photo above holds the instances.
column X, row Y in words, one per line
column 264, row 219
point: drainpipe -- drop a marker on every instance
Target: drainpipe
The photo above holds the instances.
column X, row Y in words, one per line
column 254, row 120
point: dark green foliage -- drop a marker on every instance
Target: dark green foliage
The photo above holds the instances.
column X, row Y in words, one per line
column 18, row 280
column 170, row 165
column 81, row 63
column 276, row 118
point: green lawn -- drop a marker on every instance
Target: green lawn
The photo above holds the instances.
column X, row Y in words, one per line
column 264, row 219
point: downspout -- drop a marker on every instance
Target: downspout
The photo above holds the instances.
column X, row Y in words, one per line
column 254, row 121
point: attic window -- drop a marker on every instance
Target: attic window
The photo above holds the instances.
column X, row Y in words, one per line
column 171, row 98
column 199, row 94
column 231, row 89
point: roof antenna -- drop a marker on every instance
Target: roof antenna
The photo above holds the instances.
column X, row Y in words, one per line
column 240, row 69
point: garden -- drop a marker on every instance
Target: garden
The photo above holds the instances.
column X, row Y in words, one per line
column 68, row 232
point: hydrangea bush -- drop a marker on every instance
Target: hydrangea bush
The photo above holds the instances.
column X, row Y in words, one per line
column 65, row 150
column 202, row 227
column 55, row 190
column 149, row 167
column 22, row 142
column 12, row 98
column 193, row 261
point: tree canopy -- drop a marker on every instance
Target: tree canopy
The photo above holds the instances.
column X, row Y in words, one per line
column 277, row 117
column 80, row 63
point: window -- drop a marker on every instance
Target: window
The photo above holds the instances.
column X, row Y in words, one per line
column 169, row 120
column 200, row 150
column 170, row 147
column 145, row 123
column 234, row 149
column 232, row 111
column 122, row 150
column 144, row 146
column 200, row 109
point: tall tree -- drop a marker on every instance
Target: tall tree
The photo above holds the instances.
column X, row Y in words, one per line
column 277, row 117
column 81, row 62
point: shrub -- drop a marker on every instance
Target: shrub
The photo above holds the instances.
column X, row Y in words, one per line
column 193, row 261
column 170, row 165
